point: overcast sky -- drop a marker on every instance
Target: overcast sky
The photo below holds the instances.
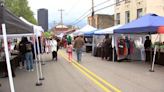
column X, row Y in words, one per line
column 73, row 9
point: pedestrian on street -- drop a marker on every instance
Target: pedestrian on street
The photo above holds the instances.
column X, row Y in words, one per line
column 78, row 45
column 53, row 44
column 69, row 51
column 69, row 39
column 28, row 54
column 22, row 50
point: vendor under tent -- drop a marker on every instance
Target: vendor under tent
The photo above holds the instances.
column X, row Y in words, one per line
column 10, row 24
column 148, row 24
column 109, row 31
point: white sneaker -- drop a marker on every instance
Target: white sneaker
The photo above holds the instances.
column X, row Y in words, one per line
column 32, row 69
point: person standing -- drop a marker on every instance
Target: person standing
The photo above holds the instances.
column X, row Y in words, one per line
column 69, row 39
column 69, row 51
column 127, row 43
column 22, row 50
column 53, row 44
column 78, row 44
column 107, row 47
column 147, row 46
column 28, row 54
column 103, row 49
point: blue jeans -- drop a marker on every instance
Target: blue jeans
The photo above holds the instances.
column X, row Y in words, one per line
column 29, row 60
column 79, row 54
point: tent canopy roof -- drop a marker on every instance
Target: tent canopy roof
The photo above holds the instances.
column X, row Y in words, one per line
column 109, row 30
column 145, row 24
column 13, row 24
column 37, row 29
column 91, row 33
column 85, row 29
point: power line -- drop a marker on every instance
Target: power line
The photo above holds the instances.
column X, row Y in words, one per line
column 81, row 19
column 81, row 16
column 78, row 21
column 101, row 3
column 73, row 7
column 108, row 6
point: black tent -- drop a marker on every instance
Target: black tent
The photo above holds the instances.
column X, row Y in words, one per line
column 10, row 25
column 13, row 24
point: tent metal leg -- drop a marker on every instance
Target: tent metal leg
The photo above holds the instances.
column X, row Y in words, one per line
column 39, row 60
column 152, row 66
column 113, row 43
column 38, row 83
column 42, row 62
column 7, row 58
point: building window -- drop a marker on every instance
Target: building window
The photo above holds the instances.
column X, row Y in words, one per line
column 127, row 16
column 139, row 12
column 118, row 18
column 127, row 1
column 117, row 2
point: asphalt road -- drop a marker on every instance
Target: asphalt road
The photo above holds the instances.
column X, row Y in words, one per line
column 63, row 76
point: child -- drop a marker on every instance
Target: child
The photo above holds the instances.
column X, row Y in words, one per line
column 69, row 51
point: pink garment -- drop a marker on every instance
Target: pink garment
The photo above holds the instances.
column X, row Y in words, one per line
column 69, row 50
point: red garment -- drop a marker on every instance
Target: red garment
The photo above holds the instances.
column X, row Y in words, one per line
column 121, row 47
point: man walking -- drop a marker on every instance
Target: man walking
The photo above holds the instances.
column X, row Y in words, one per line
column 78, row 44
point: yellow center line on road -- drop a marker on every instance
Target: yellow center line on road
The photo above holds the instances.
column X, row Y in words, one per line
column 97, row 77
column 90, row 77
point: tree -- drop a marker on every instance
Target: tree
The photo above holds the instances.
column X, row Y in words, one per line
column 21, row 9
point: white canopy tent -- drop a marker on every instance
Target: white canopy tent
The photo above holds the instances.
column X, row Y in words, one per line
column 37, row 29
column 86, row 28
column 38, row 32
column 60, row 35
column 109, row 30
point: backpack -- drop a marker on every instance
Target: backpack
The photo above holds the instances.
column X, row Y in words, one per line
column 28, row 47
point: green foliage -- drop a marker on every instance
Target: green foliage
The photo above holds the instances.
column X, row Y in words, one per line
column 21, row 9
column 48, row 34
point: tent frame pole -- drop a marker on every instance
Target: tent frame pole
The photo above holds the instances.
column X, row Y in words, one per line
column 113, row 38
column 42, row 50
column 154, row 55
column 39, row 60
column 38, row 83
column 7, row 58
column 152, row 66
column 93, row 44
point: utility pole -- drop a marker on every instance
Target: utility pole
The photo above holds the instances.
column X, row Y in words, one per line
column 92, row 8
column 61, row 16
column 92, row 15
